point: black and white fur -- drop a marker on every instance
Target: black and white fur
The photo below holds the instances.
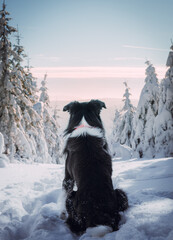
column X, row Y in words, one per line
column 89, row 166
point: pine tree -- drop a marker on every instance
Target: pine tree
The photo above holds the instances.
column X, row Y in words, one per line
column 8, row 107
column 19, row 122
column 127, row 118
column 115, row 132
column 51, row 135
column 44, row 95
column 163, row 125
column 143, row 139
column 55, row 114
column 30, row 83
column 115, row 136
column 122, row 126
column 31, row 127
column 50, row 124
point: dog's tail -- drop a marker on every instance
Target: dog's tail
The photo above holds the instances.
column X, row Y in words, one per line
column 122, row 200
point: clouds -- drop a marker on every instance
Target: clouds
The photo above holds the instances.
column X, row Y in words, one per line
column 95, row 72
column 93, row 82
column 42, row 57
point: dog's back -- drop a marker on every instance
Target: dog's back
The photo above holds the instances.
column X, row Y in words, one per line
column 91, row 168
column 89, row 165
column 88, row 161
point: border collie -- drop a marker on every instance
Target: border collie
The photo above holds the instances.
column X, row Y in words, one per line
column 89, row 166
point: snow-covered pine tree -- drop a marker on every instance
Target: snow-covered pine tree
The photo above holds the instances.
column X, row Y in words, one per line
column 56, row 115
column 44, row 97
column 50, row 124
column 115, row 136
column 127, row 118
column 143, row 139
column 8, row 106
column 163, row 124
column 19, row 122
column 116, row 130
column 31, row 121
column 122, row 126
column 30, row 83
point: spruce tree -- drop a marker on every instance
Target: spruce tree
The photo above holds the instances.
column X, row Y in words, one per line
column 9, row 115
column 127, row 118
column 116, row 121
column 30, row 83
column 19, row 122
column 50, row 124
column 163, row 124
column 56, row 115
column 122, row 126
column 143, row 139
column 44, row 95
column 33, row 119
column 115, row 136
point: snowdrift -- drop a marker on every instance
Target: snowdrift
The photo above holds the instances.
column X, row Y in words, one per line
column 31, row 196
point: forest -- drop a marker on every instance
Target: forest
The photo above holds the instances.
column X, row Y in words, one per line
column 29, row 128
column 140, row 139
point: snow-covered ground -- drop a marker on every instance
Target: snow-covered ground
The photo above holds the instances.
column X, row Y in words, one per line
column 30, row 199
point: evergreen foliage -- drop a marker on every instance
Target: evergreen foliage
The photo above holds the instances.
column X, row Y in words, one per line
column 163, row 124
column 122, row 126
column 143, row 139
column 9, row 112
column 44, row 95
column 50, row 124
column 22, row 120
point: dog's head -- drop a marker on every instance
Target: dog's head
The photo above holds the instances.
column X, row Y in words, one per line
column 90, row 111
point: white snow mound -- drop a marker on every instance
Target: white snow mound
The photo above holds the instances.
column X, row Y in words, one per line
column 98, row 231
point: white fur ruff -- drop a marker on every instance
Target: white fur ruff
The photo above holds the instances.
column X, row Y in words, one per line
column 96, row 132
column 86, row 130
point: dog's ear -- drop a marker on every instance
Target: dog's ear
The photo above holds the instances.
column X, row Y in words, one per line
column 70, row 106
column 99, row 104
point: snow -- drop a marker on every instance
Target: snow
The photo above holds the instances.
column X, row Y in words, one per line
column 3, row 158
column 98, row 231
column 123, row 120
column 163, row 124
column 121, row 151
column 32, row 200
column 1, row 143
column 39, row 108
column 169, row 62
column 143, row 138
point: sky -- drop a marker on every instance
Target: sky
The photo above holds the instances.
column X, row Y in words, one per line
column 88, row 48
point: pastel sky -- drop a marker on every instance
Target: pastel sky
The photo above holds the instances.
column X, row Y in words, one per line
column 89, row 48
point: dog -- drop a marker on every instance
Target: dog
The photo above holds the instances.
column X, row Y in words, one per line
column 89, row 166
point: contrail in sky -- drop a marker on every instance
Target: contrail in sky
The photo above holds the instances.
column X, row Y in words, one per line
column 147, row 48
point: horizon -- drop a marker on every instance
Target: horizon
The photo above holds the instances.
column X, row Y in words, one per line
column 89, row 48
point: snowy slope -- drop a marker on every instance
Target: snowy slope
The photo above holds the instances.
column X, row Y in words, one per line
column 29, row 195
